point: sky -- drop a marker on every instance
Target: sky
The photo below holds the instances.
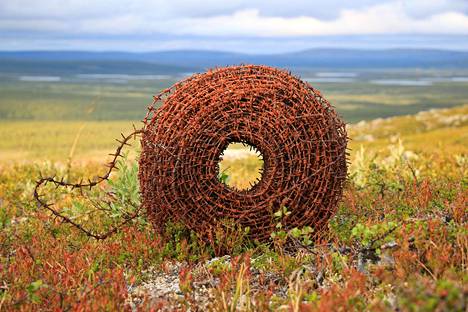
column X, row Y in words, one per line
column 249, row 26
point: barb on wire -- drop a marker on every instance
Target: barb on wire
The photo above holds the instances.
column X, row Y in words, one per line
column 60, row 182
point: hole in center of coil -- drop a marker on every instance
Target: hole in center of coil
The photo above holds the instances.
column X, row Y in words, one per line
column 240, row 166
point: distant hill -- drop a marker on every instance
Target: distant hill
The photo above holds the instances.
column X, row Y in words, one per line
column 169, row 62
column 447, row 127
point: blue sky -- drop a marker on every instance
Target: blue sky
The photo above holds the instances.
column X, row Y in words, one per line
column 233, row 25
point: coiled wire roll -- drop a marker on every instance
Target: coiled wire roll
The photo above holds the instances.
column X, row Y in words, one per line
column 301, row 138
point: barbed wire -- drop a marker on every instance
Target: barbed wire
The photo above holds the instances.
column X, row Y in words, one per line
column 112, row 165
column 298, row 133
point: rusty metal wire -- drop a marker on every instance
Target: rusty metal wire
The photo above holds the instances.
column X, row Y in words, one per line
column 89, row 184
column 301, row 138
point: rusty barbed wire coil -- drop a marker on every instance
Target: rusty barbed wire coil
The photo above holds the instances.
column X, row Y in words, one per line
column 301, row 138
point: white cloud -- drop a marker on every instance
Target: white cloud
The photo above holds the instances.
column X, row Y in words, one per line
column 241, row 20
column 381, row 19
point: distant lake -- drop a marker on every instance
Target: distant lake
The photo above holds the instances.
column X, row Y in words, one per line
column 319, row 78
column 40, row 78
column 447, row 79
column 123, row 77
column 402, row 82
column 459, row 79
column 337, row 74
column 330, row 80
